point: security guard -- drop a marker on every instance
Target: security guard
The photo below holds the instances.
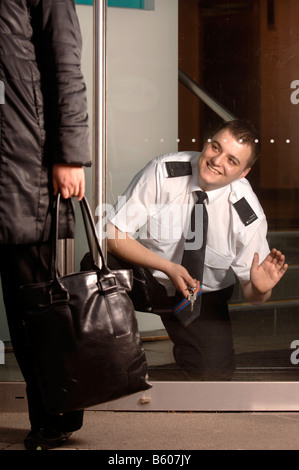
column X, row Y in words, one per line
column 148, row 228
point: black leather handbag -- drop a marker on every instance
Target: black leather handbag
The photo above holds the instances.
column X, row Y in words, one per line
column 83, row 332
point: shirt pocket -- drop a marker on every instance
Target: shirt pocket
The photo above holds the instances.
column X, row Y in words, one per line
column 218, row 263
column 166, row 226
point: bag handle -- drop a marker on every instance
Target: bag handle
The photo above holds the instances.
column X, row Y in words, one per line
column 88, row 223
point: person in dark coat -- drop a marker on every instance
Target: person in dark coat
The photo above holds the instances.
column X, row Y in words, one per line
column 44, row 145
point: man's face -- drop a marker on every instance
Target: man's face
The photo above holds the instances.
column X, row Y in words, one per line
column 223, row 160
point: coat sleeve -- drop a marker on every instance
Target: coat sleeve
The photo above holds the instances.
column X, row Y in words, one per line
column 58, row 42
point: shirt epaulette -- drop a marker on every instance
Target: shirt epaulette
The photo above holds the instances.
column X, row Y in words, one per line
column 175, row 169
column 245, row 211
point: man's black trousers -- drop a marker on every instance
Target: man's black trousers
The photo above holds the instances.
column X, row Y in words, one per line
column 204, row 350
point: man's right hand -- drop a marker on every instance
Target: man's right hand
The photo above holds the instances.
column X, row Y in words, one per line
column 181, row 279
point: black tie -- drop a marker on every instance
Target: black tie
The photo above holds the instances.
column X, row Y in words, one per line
column 193, row 257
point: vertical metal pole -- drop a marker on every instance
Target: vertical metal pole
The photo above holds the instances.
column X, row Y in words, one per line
column 99, row 115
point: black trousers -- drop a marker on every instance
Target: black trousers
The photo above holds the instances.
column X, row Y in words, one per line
column 204, row 350
column 26, row 264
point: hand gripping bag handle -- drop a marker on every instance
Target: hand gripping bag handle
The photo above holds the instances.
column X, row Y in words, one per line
column 88, row 222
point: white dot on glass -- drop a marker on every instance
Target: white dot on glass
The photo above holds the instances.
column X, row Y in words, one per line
column 288, row 141
column 161, row 140
column 177, row 140
column 256, row 141
column 272, row 141
column 240, row 140
column 193, row 140
column 209, row 140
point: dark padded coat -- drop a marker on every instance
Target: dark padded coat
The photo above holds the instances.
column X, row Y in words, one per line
column 44, row 117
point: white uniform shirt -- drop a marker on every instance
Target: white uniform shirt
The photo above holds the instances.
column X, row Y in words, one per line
column 156, row 210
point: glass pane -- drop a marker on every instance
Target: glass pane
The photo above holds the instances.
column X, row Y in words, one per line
column 244, row 55
column 142, row 110
column 249, row 65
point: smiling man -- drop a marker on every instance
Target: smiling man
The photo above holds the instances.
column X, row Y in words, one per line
column 148, row 228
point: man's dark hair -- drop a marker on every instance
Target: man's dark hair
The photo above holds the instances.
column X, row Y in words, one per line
column 245, row 132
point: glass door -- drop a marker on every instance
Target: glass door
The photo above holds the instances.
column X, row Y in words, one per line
column 241, row 56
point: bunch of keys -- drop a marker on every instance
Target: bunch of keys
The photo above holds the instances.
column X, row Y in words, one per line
column 192, row 296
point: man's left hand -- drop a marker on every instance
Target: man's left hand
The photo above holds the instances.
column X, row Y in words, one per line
column 266, row 275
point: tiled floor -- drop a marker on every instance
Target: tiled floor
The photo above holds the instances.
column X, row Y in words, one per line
column 160, row 431
column 260, row 359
